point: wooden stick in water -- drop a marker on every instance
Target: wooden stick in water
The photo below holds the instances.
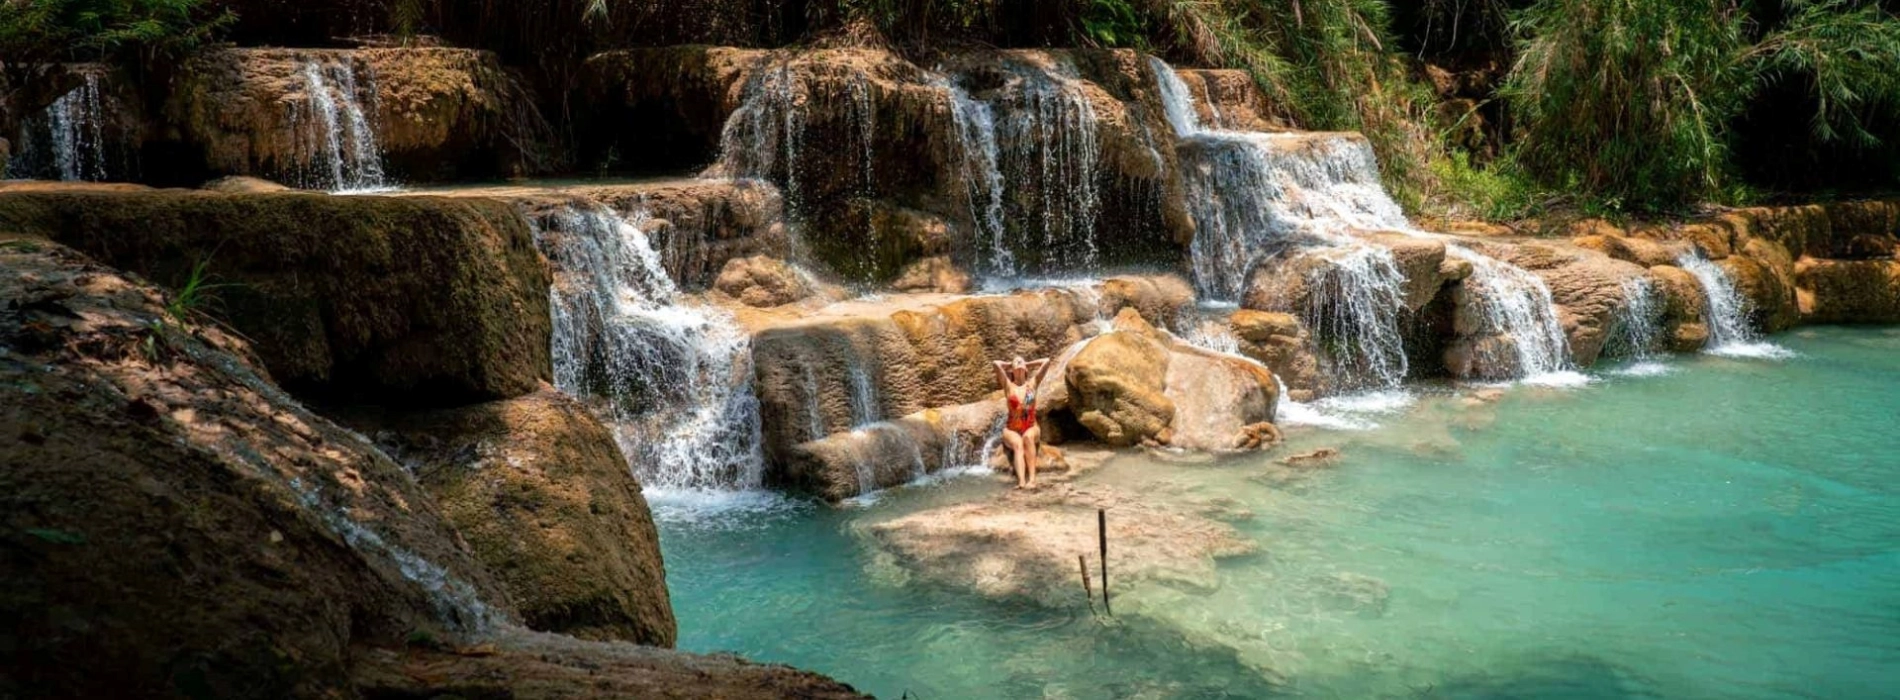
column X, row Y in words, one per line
column 1101, row 524
column 1088, row 591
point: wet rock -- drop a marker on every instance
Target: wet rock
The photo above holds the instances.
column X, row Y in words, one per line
column 1231, row 99
column 178, row 524
column 539, row 490
column 1421, row 261
column 1769, row 289
column 1118, row 388
column 1685, row 308
column 1136, row 385
column 1281, row 342
column 762, row 281
column 438, row 114
column 240, row 184
column 892, row 453
column 1023, row 545
column 380, row 300
column 1641, row 251
column 1587, row 287
column 531, row 666
column 1844, row 291
column 934, row 274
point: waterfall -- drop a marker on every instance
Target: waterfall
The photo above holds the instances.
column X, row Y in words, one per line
column 68, row 141
column 983, row 181
column 672, row 378
column 766, row 134
column 1639, row 328
column 864, row 402
column 1513, row 304
column 336, row 144
column 1354, row 308
column 1050, row 152
column 1729, row 331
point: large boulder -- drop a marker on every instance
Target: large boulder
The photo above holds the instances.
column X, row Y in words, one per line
column 381, row 300
column 1136, row 385
column 1685, row 324
column 177, row 525
column 1590, row 289
column 538, row 488
column 892, row 453
column 763, row 281
column 1281, row 342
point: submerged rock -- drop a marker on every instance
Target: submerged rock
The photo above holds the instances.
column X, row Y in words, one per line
column 538, row 488
column 1023, row 544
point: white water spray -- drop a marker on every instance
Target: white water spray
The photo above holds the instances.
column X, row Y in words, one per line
column 336, row 143
column 672, row 378
column 983, row 180
column 1049, row 148
column 68, row 141
column 1729, row 331
column 1514, row 304
column 1638, row 330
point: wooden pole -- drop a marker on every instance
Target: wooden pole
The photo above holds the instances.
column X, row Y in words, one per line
column 1101, row 524
column 1088, row 591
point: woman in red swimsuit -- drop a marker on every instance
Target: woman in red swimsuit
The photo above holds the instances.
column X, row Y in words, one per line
column 1019, row 380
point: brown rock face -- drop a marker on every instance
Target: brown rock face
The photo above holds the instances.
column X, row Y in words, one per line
column 176, row 524
column 439, row 114
column 1587, row 286
column 539, row 490
column 382, row 300
column 935, row 274
column 1685, row 308
column 1838, row 291
column 1421, row 261
column 893, row 453
column 531, row 666
column 1118, row 389
column 762, row 281
column 1281, row 342
column 1642, row 251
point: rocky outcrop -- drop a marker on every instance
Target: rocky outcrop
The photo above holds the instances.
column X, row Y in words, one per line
column 1685, row 323
column 529, row 666
column 1282, row 343
column 410, row 300
column 762, row 281
column 892, row 453
column 1588, row 288
column 1135, row 385
column 1023, row 545
column 824, row 371
column 880, row 160
column 1231, row 99
column 436, row 113
column 1849, row 291
column 538, row 488
column 177, row 524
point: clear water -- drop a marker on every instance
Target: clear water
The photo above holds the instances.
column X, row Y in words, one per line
column 1730, row 528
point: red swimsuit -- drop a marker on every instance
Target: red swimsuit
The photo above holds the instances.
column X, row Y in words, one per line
column 1022, row 415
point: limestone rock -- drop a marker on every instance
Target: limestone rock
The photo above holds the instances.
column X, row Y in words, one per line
column 1685, row 308
column 1281, row 342
column 1844, row 291
column 1117, row 388
column 1642, row 251
column 534, row 666
column 762, row 281
column 241, row 184
column 933, row 274
column 175, row 523
column 540, row 491
column 1586, row 285
column 892, row 453
column 380, row 300
column 1421, row 261
column 1220, row 404
column 1023, row 545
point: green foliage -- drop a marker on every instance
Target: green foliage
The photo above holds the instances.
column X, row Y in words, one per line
column 35, row 30
column 194, row 295
column 1114, row 24
column 1631, row 102
column 57, row 536
column 1495, row 193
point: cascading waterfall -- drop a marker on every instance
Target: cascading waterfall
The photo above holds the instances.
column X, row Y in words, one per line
column 864, row 403
column 1515, row 304
column 1049, row 149
column 766, row 135
column 68, row 141
column 1639, row 328
column 976, row 137
column 1356, row 301
column 1253, row 194
column 336, row 143
column 1729, row 331
column 673, row 379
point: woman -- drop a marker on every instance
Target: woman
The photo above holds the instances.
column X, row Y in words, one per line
column 1019, row 380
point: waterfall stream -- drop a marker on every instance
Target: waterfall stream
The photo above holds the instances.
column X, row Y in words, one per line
column 1730, row 333
column 68, row 140
column 335, row 140
column 1253, row 195
column 672, row 378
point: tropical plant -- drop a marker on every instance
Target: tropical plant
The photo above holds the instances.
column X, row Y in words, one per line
column 1633, row 100
column 33, row 31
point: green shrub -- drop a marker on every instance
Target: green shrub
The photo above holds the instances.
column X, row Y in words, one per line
column 81, row 30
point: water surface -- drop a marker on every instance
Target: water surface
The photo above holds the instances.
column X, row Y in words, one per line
column 1729, row 527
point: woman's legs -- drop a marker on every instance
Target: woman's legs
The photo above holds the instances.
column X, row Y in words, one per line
column 1014, row 441
column 1032, row 448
